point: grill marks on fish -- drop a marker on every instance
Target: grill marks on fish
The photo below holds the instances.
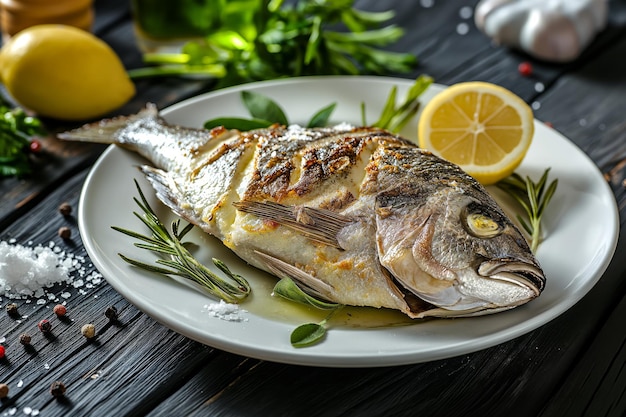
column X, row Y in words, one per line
column 293, row 162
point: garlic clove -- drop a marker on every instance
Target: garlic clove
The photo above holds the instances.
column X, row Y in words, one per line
column 554, row 30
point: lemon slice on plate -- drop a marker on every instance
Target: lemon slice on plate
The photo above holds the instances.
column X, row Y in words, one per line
column 484, row 128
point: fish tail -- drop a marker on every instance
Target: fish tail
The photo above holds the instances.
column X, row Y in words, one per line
column 107, row 130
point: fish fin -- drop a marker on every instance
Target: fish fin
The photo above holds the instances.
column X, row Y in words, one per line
column 105, row 131
column 317, row 224
column 168, row 193
column 308, row 283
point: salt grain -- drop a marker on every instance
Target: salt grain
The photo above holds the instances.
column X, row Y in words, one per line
column 225, row 311
column 343, row 127
column 465, row 12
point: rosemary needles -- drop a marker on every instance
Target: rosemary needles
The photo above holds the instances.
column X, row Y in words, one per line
column 534, row 198
column 179, row 261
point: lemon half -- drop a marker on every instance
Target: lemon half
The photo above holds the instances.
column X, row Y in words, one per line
column 484, row 128
column 63, row 72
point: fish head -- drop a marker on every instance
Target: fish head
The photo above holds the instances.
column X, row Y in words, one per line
column 455, row 250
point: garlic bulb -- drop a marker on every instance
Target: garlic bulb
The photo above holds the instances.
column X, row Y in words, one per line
column 554, row 30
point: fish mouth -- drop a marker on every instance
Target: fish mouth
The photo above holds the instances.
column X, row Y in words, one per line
column 523, row 273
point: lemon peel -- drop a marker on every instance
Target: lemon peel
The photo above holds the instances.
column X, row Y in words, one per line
column 482, row 127
column 64, row 72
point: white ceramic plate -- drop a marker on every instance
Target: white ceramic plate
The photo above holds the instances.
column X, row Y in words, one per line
column 574, row 256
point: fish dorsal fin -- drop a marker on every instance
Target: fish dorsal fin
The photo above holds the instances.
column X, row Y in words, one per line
column 317, row 224
column 308, row 283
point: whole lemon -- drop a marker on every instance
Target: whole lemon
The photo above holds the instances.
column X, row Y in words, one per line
column 63, row 72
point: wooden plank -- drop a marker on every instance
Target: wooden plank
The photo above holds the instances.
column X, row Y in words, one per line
column 596, row 386
column 139, row 367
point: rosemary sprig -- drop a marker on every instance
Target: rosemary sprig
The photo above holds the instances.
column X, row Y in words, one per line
column 181, row 262
column 533, row 197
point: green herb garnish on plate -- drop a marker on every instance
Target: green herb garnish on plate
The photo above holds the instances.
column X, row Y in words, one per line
column 179, row 261
column 534, row 198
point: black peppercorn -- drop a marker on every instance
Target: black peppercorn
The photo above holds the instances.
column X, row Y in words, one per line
column 65, row 232
column 111, row 313
column 65, row 209
column 25, row 339
column 12, row 308
column 4, row 390
column 57, row 389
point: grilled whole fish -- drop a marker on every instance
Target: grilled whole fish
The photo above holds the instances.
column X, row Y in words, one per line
column 356, row 216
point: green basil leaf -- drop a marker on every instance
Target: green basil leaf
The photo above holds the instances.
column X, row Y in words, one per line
column 320, row 119
column 262, row 107
column 237, row 123
column 288, row 289
column 307, row 334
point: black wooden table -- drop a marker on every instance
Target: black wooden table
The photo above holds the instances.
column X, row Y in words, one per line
column 571, row 366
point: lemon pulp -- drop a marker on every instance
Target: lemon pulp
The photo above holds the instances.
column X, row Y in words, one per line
column 484, row 128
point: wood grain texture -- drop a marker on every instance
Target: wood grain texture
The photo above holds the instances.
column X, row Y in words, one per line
column 570, row 366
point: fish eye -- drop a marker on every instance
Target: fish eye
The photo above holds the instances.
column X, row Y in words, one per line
column 479, row 222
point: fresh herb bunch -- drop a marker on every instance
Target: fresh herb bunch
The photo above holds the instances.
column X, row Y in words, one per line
column 16, row 131
column 533, row 197
column 267, row 39
column 180, row 261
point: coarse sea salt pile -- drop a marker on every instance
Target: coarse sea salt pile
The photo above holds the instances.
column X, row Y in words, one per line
column 225, row 311
column 29, row 271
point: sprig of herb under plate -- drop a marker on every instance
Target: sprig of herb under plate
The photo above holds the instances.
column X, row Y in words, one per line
column 533, row 197
column 180, row 262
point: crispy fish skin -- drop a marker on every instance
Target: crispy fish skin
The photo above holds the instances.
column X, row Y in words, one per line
column 357, row 216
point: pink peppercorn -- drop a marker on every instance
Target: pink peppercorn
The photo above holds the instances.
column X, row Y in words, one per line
column 525, row 69
column 45, row 326
column 35, row 146
column 59, row 310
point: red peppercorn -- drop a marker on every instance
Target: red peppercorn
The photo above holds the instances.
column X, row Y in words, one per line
column 525, row 69
column 549, row 124
column 2, row 351
column 45, row 326
column 59, row 310
column 35, row 146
